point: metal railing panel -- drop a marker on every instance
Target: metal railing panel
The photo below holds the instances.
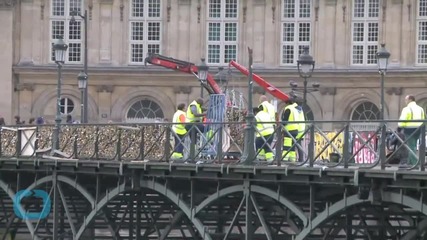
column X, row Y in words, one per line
column 352, row 144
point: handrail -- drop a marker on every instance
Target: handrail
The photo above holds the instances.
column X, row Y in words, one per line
column 346, row 146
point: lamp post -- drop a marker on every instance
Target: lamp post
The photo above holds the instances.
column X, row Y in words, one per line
column 202, row 74
column 82, row 82
column 249, row 153
column 305, row 68
column 294, row 86
column 60, row 48
column 382, row 60
column 74, row 13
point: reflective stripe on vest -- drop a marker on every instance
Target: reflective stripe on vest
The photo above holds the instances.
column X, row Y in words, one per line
column 190, row 115
column 264, row 128
column 412, row 112
column 178, row 128
column 293, row 116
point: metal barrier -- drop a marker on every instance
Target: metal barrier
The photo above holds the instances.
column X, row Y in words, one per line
column 348, row 145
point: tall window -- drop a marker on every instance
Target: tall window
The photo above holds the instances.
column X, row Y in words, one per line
column 364, row 26
column 222, row 31
column 422, row 32
column 145, row 29
column 71, row 32
column 296, row 29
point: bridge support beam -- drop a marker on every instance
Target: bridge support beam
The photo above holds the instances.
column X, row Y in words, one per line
column 55, row 206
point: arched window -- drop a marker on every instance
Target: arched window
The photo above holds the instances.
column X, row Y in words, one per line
column 144, row 110
column 366, row 111
column 66, row 105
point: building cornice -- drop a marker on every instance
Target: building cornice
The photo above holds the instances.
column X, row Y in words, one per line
column 409, row 72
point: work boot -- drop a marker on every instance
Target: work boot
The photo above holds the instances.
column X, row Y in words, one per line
column 403, row 163
column 177, row 156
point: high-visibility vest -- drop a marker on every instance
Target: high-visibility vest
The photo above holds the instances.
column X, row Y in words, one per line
column 190, row 115
column 412, row 112
column 178, row 128
column 263, row 126
column 295, row 116
column 269, row 108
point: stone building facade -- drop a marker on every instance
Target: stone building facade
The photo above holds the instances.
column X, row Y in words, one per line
column 343, row 37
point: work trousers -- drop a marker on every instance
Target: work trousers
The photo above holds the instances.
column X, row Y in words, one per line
column 263, row 145
column 194, row 129
column 179, row 143
column 412, row 143
column 289, row 153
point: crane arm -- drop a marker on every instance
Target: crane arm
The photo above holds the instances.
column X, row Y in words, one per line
column 277, row 93
column 183, row 66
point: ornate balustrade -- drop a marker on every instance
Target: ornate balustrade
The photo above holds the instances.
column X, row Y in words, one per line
column 352, row 143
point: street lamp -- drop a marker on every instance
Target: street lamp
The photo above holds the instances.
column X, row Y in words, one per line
column 296, row 89
column 382, row 60
column 82, row 81
column 202, row 74
column 249, row 153
column 74, row 13
column 60, row 48
column 305, row 68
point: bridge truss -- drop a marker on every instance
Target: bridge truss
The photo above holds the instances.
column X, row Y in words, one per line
column 106, row 200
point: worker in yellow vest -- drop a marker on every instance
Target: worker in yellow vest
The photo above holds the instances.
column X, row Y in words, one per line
column 195, row 111
column 178, row 127
column 264, row 135
column 195, row 115
column 412, row 111
column 291, row 114
column 267, row 107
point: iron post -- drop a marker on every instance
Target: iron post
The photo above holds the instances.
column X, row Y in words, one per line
column 202, row 74
column 305, row 93
column 382, row 61
column 249, row 153
column 60, row 48
column 82, row 82
column 305, row 66
column 84, row 118
column 58, row 118
column 382, row 96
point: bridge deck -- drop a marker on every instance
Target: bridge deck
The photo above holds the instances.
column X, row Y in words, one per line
column 119, row 182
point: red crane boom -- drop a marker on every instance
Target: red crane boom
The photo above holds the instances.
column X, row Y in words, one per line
column 277, row 93
column 187, row 67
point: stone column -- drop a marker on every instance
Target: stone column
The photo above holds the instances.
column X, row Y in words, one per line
column 25, row 92
column 393, row 106
column 26, row 31
column 6, row 57
column 106, row 31
column 325, row 42
column 104, row 102
column 328, row 96
column 342, row 34
column 393, row 43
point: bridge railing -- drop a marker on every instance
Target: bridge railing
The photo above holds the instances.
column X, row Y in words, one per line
column 351, row 143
